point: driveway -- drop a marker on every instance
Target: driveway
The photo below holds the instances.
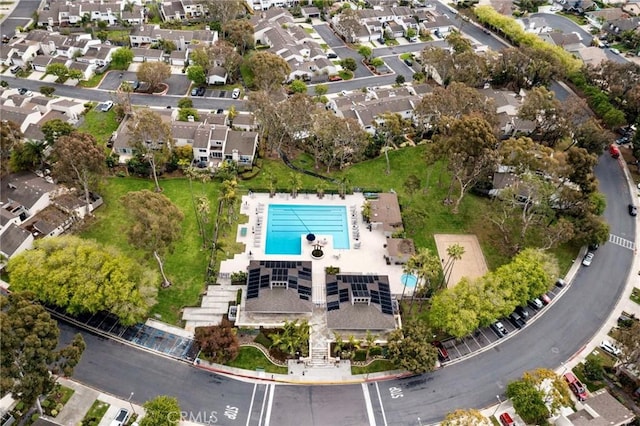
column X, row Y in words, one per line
column 179, row 84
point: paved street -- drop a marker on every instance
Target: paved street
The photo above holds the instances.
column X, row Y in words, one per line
column 20, row 16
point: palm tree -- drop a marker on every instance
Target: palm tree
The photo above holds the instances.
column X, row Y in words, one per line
column 370, row 340
column 344, row 182
column 426, row 267
column 320, row 187
column 338, row 343
column 296, row 183
column 229, row 196
column 455, row 252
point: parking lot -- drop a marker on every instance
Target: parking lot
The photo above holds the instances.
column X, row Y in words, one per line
column 485, row 336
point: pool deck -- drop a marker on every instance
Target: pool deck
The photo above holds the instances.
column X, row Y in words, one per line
column 367, row 259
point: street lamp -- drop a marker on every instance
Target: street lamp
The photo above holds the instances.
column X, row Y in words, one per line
column 419, row 421
column 131, row 403
column 498, row 406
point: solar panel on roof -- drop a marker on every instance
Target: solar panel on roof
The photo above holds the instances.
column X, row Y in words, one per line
column 304, row 290
column 333, row 306
column 344, row 295
column 332, row 288
column 304, row 297
column 264, row 281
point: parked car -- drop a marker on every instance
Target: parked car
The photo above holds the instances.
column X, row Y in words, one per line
column 236, row 93
column 535, row 303
column 409, row 62
column 588, row 258
column 614, row 50
column 499, row 329
column 25, row 92
column 121, row 418
column 194, row 91
column 516, row 320
column 593, row 246
column 633, row 210
column 610, row 347
column 545, row 299
column 443, row 355
column 506, row 420
column 106, row 106
column 576, row 386
column 201, row 91
column 332, row 56
column 233, row 312
column 219, row 111
column 335, row 78
column 16, row 69
column 522, row 311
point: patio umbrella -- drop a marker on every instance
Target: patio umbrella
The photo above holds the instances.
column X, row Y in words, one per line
column 311, row 237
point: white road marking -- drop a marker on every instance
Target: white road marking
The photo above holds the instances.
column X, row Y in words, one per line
column 267, row 417
column 253, row 395
column 622, row 242
column 367, row 401
column 384, row 417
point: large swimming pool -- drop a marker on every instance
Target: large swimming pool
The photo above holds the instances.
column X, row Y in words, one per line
column 286, row 223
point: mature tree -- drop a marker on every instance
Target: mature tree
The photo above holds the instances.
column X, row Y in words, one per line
column 457, row 310
column 161, row 411
column 469, row 145
column 59, row 70
column 56, row 269
column 542, row 107
column 527, row 156
column 239, row 32
column 228, row 196
column 554, row 389
column 166, row 45
column 151, row 137
column 629, row 342
column 185, row 103
column 528, row 401
column 391, row 128
column 186, row 114
column 524, row 67
column 196, row 74
column 298, row 86
column 269, row 70
column 338, row 141
column 458, row 42
column 454, row 253
column 223, row 10
column 349, row 64
column 454, row 101
column 153, row 73
column 156, row 224
column 410, row 348
column 366, row 52
column 582, row 164
column 469, row 417
column 592, row 137
column 320, row 90
column 10, row 137
column 272, row 125
column 226, row 55
column 218, row 342
column 79, row 161
column 28, row 156
column 349, row 24
column 53, row 129
column 426, row 266
column 28, row 347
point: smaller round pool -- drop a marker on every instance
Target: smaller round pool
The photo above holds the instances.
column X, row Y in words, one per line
column 408, row 280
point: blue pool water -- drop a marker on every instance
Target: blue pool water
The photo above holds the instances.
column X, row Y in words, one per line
column 286, row 223
column 408, row 280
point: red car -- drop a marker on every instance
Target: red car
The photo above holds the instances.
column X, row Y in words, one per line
column 335, row 78
column 576, row 386
column 443, row 355
column 506, row 420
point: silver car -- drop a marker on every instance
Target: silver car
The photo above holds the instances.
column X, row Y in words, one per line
column 121, row 418
column 588, row 258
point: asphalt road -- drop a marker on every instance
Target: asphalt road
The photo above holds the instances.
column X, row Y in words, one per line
column 20, row 16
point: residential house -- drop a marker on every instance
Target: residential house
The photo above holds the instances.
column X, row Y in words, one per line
column 179, row 58
column 360, row 303
column 150, row 34
column 147, row 55
column 618, row 26
column 217, row 75
column 135, row 16
column 25, row 194
column 6, row 52
column 20, row 115
column 270, row 4
column 600, row 409
column 592, row 55
column 579, row 6
column 70, row 108
column 598, row 17
column 23, row 52
column 276, row 291
column 13, row 241
column 246, row 122
column 172, row 11
column 86, row 69
column 385, row 213
column 571, row 42
column 99, row 55
column 399, row 250
column 310, row 12
column 193, row 8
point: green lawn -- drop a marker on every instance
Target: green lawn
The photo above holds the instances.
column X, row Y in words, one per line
column 375, row 367
column 93, row 81
column 580, row 20
column 100, row 124
column 247, row 74
column 345, row 74
column 95, row 413
column 251, row 358
column 119, row 36
column 186, row 266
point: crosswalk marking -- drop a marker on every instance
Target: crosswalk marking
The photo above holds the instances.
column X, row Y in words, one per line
column 622, row 242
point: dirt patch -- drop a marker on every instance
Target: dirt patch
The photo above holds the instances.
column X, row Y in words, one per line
column 472, row 264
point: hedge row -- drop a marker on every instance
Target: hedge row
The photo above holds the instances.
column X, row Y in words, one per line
column 514, row 32
column 599, row 102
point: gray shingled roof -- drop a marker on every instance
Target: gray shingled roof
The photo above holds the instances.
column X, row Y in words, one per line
column 12, row 239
